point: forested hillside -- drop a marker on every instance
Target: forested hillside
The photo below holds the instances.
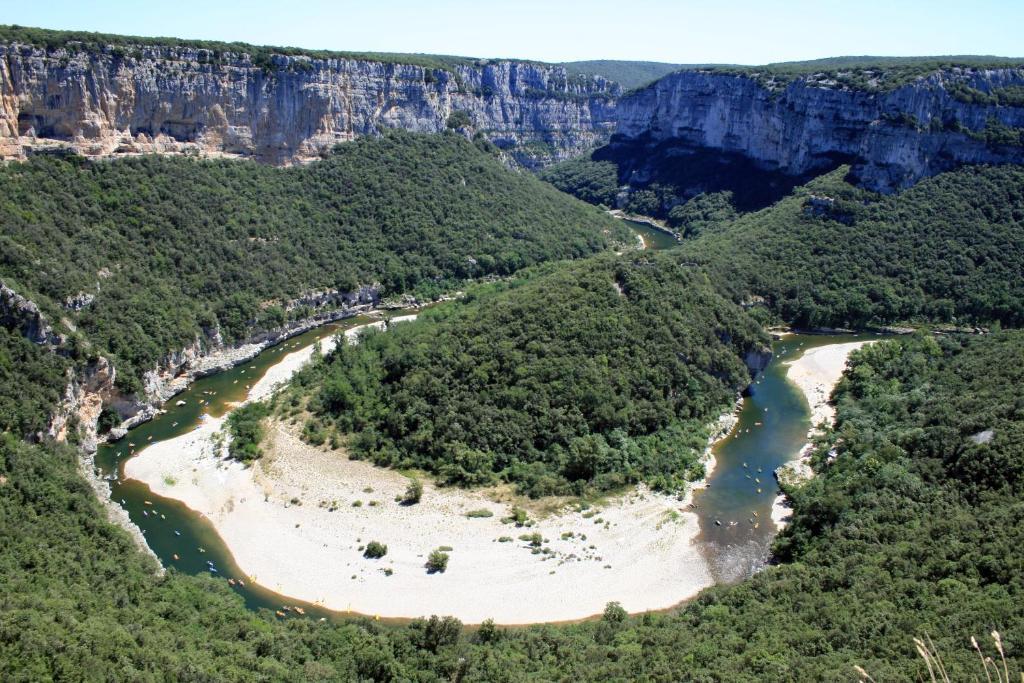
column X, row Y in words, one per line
column 588, row 375
column 911, row 531
column 167, row 247
column 948, row 250
column 32, row 381
column 565, row 370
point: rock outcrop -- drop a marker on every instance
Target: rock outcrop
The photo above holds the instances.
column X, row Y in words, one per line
column 892, row 138
column 210, row 355
column 22, row 315
column 282, row 110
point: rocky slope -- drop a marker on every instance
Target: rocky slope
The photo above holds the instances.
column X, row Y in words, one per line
column 892, row 138
column 282, row 109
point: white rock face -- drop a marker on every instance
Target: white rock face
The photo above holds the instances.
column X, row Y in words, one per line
column 893, row 138
column 184, row 100
column 290, row 109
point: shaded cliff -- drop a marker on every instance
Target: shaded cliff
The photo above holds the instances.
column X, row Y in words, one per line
column 281, row 108
column 893, row 138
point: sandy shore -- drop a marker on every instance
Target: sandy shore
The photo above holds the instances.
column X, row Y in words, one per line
column 816, row 373
column 636, row 549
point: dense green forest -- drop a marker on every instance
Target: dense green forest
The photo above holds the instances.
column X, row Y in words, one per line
column 592, row 181
column 947, row 250
column 32, row 381
column 588, row 375
column 912, row 530
column 170, row 247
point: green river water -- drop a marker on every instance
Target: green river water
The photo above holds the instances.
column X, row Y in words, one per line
column 171, row 528
column 773, row 424
column 653, row 238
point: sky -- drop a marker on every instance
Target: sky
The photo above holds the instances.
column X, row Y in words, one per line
column 680, row 32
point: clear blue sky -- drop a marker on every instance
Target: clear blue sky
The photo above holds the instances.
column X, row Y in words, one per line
column 684, row 31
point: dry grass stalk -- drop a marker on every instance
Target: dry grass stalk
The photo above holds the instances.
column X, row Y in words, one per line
column 937, row 670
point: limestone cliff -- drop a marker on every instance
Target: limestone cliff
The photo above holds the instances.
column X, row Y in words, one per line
column 130, row 99
column 282, row 110
column 893, row 138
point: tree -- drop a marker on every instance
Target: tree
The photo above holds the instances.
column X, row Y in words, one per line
column 413, row 492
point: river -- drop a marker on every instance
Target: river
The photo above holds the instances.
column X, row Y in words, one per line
column 653, row 238
column 170, row 528
column 734, row 511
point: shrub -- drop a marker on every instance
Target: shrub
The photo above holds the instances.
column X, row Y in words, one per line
column 459, row 119
column 533, row 539
column 245, row 425
column 437, row 562
column 517, row 517
column 413, row 493
column 483, row 512
column 375, row 550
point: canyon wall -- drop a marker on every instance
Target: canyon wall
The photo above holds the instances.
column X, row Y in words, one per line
column 893, row 138
column 283, row 109
column 291, row 108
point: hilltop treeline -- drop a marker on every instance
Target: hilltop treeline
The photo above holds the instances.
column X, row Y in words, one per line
column 589, row 375
column 88, row 41
column 170, row 246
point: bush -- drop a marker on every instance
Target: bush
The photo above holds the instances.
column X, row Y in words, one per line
column 483, row 512
column 459, row 119
column 517, row 516
column 437, row 562
column 535, row 540
column 108, row 419
column 375, row 550
column 413, row 493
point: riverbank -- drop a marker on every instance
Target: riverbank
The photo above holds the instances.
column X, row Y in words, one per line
column 816, row 373
column 720, row 430
column 647, row 220
column 296, row 520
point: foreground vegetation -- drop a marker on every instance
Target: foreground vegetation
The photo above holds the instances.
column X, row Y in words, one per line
column 173, row 249
column 588, row 375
